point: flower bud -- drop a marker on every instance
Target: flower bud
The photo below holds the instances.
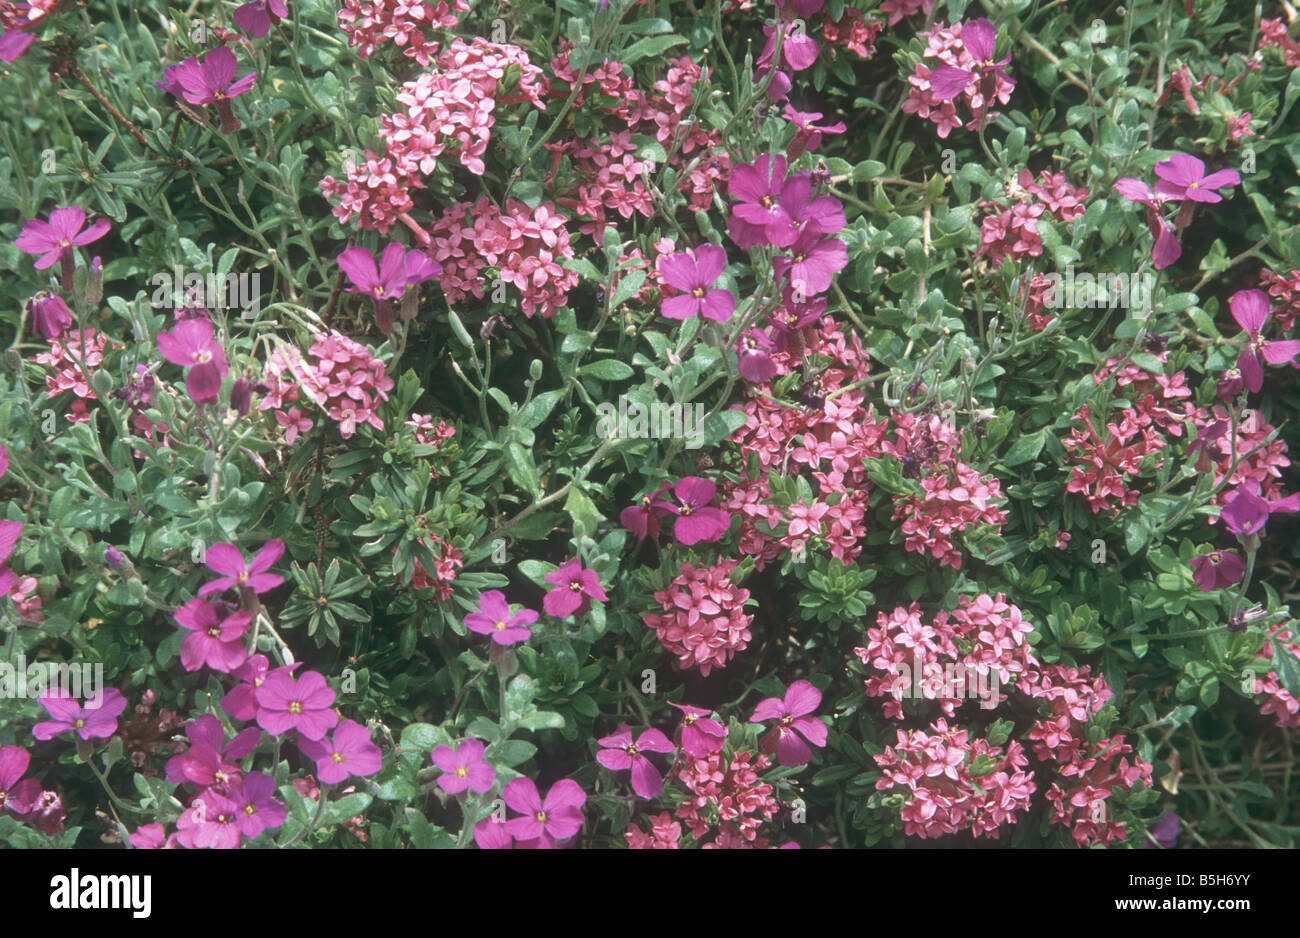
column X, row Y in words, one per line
column 102, row 382
column 50, row 315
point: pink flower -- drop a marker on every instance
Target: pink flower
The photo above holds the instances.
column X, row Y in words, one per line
column 754, row 361
column 211, row 821
column 694, row 272
column 192, row 345
column 813, row 262
column 241, row 701
column 257, row 17
column 1183, row 177
column 213, row 641
column 463, row 767
column 152, row 837
column 17, row 794
column 398, row 270
column 574, row 590
column 212, row 82
column 696, row 520
column 979, row 38
column 350, row 753
column 1245, row 512
column 559, row 817
column 1166, row 249
column 759, row 191
column 704, row 622
column 257, row 809
column 227, row 559
column 1217, row 569
column 1250, row 309
column 284, row 704
column 491, row 834
column 701, row 735
column 620, row 753
column 54, row 239
column 494, row 619
column 98, row 720
column 50, row 314
column 210, row 760
column 795, row 725
column 642, row 519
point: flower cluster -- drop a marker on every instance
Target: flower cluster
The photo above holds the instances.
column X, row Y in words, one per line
column 345, row 380
column 369, row 24
column 703, row 622
column 953, row 783
column 724, row 796
column 73, row 360
column 953, row 496
column 914, row 656
column 957, row 65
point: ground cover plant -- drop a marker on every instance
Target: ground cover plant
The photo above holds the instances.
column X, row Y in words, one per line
column 649, row 424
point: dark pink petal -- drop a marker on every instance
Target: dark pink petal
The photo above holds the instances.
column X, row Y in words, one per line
column 646, row 780
column 770, row 709
column 947, row 82
column 1250, row 309
column 521, row 795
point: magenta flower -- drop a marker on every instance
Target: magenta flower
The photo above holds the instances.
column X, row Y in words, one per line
column 763, row 194
column 559, row 817
column 701, row 735
column 642, row 519
column 1250, row 309
column 97, row 720
column 694, row 272
column 210, row 822
column 494, row 619
column 228, row 560
column 808, row 136
column 192, row 345
column 574, row 590
column 17, row 794
column 1218, row 569
column 798, row 50
column 979, row 37
column 397, row 270
column 696, row 520
column 211, row 82
column 152, row 837
column 491, row 834
column 795, row 726
column 9, row 531
column 621, row 753
column 1166, row 249
column 754, row 361
column 306, row 704
column 213, row 641
column 14, row 43
column 50, row 314
column 241, row 701
column 53, row 240
column 1183, row 177
column 1245, row 511
column 813, row 263
column 257, row 17
column 463, row 767
column 257, row 809
column 350, row 753
column 210, row 760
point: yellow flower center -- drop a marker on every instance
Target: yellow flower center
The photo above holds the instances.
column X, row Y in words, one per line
column 295, row 707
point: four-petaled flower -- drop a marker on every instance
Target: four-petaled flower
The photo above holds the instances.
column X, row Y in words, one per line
column 795, row 723
column 1217, row 569
column 97, row 720
column 228, row 560
column 979, row 38
column 350, row 752
column 1182, row 176
column 696, row 520
column 256, row 18
column 54, row 240
column 1250, row 309
column 463, row 767
column 620, row 753
column 574, row 590
column 192, row 345
column 213, row 640
column 494, row 619
column 557, row 818
column 694, row 272
column 211, row 82
column 306, row 705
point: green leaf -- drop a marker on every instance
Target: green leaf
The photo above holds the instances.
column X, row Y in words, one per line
column 1025, row 448
column 650, row 47
column 608, row 370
